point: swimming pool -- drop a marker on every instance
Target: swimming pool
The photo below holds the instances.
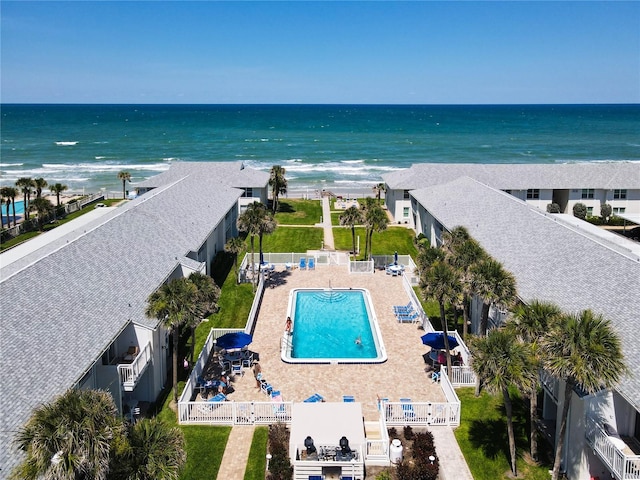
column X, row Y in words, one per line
column 332, row 326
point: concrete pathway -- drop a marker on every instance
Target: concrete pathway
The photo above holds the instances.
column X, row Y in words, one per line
column 236, row 452
column 326, row 224
column 452, row 463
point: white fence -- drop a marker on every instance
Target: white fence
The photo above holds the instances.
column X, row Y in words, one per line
column 361, row 266
column 622, row 465
column 422, row 413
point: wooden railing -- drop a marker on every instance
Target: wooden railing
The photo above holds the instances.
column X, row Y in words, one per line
column 621, row 465
column 130, row 373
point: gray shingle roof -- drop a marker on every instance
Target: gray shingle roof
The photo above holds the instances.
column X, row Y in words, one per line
column 551, row 260
column 234, row 174
column 601, row 175
column 63, row 305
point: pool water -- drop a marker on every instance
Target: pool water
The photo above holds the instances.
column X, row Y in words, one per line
column 333, row 326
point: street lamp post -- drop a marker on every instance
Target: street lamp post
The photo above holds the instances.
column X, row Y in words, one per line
column 268, row 459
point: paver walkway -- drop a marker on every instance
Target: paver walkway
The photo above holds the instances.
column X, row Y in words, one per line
column 452, row 463
column 326, row 224
column 236, row 452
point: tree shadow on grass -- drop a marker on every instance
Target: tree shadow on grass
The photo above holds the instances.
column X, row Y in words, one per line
column 285, row 207
column 490, row 436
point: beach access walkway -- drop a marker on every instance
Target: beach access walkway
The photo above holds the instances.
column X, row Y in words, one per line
column 326, row 224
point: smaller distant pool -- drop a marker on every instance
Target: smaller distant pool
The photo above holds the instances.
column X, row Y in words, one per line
column 332, row 326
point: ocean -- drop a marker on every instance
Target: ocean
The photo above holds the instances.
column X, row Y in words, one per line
column 333, row 147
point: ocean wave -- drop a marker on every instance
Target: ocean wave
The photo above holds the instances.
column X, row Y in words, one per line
column 67, row 144
column 100, row 157
column 5, row 165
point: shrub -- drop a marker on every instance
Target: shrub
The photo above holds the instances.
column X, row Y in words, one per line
column 279, row 466
column 605, row 212
column 553, row 208
column 580, row 210
column 408, row 432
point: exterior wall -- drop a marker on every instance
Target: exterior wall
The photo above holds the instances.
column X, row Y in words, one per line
column 631, row 204
column 396, row 203
column 428, row 226
column 575, row 196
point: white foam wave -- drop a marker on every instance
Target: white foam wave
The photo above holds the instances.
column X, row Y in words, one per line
column 66, row 144
column 170, row 159
column 352, row 161
column 100, row 157
column 5, row 165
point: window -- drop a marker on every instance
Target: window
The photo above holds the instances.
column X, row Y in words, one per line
column 587, row 193
column 533, row 193
column 405, row 212
column 248, row 192
column 620, row 194
column 406, row 194
column 619, row 210
column 589, row 211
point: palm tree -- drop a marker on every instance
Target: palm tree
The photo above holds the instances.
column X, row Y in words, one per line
column 234, row 246
column 156, row 451
column 249, row 221
column 531, row 323
column 375, row 220
column 267, row 226
column 69, row 438
column 462, row 252
column 351, row 217
column 378, row 189
column 58, row 188
column 174, row 304
column 583, row 350
column 11, row 194
column 495, row 285
column 44, row 208
column 40, row 183
column 501, row 361
column 26, row 184
column 441, row 283
column 5, row 196
column 124, row 177
column 2, row 214
column 206, row 302
column 278, row 184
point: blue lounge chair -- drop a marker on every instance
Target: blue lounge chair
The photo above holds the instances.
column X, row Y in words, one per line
column 348, row 398
column 408, row 308
column 316, row 397
column 316, row 477
column 220, row 397
column 411, row 318
column 407, row 409
column 312, row 264
column 303, row 263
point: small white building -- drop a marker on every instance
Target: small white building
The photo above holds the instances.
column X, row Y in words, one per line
column 327, row 425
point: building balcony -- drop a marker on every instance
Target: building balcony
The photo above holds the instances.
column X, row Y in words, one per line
column 614, row 452
column 130, row 373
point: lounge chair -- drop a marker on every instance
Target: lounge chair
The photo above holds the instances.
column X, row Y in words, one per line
column 348, row 398
column 408, row 308
column 236, row 369
column 316, row 397
column 407, row 409
column 316, row 477
column 411, row 318
column 312, row 264
column 132, row 353
column 220, row 397
column 266, row 387
column 303, row 263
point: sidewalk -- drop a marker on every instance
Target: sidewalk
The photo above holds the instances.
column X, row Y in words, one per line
column 236, row 453
column 453, row 466
column 326, row 224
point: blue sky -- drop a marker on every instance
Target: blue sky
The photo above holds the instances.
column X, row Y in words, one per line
column 320, row 52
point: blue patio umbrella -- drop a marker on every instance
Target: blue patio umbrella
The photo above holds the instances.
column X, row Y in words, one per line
column 436, row 340
column 234, row 340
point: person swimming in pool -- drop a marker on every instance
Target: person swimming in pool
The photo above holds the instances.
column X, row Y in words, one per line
column 358, row 340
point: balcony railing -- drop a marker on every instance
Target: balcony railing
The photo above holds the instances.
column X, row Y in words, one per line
column 613, row 452
column 550, row 384
column 130, row 373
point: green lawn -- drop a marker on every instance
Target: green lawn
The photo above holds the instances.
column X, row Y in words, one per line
column 299, row 212
column 205, row 446
column 482, row 436
column 257, row 463
column 291, row 239
column 393, row 239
